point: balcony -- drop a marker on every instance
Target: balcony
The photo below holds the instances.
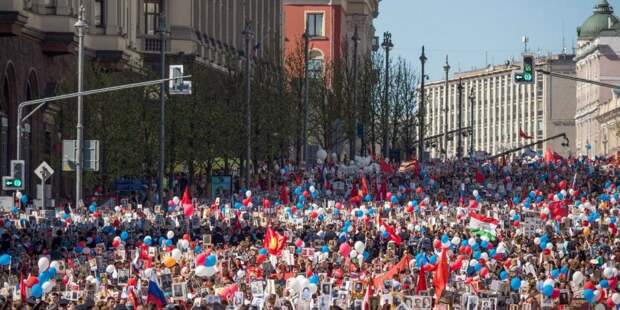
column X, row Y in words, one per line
column 152, row 44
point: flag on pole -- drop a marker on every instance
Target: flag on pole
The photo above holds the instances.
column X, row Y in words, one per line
column 155, row 295
column 364, row 185
column 368, row 296
column 390, row 230
column 440, row 278
column 421, row 285
column 482, row 225
column 523, row 135
column 274, row 242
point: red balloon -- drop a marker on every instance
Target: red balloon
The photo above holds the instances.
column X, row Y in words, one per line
column 468, row 250
column 314, row 214
column 32, row 280
column 344, row 249
column 132, row 282
column 306, row 194
column 266, row 203
column 508, row 263
column 246, row 201
column 610, row 303
column 186, row 237
column 200, row 259
column 563, row 184
column 437, row 244
column 546, row 252
column 456, row 266
column 116, row 243
column 293, row 209
column 418, row 190
column 484, row 272
column 299, row 243
column 515, row 224
column 65, row 280
column 261, row 259
column 338, row 205
column 473, row 204
column 543, row 216
column 388, row 195
column 482, row 261
column 409, row 209
column 588, row 285
column 556, row 293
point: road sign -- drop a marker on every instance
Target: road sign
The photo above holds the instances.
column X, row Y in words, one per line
column 178, row 86
column 44, row 171
column 90, row 152
column 15, row 181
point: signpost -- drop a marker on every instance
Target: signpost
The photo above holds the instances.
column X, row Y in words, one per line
column 44, row 172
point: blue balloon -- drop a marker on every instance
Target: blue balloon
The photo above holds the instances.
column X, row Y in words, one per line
column 604, row 283
column 464, row 243
column 476, row 255
column 547, row 290
column 297, row 191
column 24, row 199
column 503, row 275
column 5, row 260
column 477, row 267
column 210, row 261
column 302, row 198
column 237, row 205
column 168, row 242
column 366, row 255
column 555, row 273
column 414, row 203
column 515, row 284
column 298, row 251
column 394, row 199
column 385, row 234
column 43, row 277
column 36, row 291
column 433, row 260
column 588, row 295
column 198, row 249
column 359, row 213
column 124, row 235
column 148, row 240
column 325, row 249
column 262, row 251
column 445, row 239
column 52, row 272
column 92, row 208
column 484, row 244
column 368, row 198
column 564, row 270
column 321, row 217
column 314, row 279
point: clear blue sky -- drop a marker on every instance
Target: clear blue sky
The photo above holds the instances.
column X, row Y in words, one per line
column 466, row 29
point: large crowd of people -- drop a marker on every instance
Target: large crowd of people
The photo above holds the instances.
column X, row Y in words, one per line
column 525, row 233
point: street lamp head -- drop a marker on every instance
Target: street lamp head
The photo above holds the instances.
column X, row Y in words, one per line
column 447, row 66
column 423, row 56
column 387, row 41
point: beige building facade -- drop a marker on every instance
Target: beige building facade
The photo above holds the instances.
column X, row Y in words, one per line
column 503, row 108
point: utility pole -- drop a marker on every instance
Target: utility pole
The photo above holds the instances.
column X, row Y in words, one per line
column 359, row 121
column 421, row 111
column 80, row 25
column 459, row 137
column 162, row 103
column 387, row 45
column 472, row 141
column 304, row 130
column 247, row 32
column 446, row 68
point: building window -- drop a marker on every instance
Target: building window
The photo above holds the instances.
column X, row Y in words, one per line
column 152, row 9
column 314, row 24
column 315, row 64
column 99, row 10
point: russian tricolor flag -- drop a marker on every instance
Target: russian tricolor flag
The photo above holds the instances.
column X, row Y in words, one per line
column 155, row 294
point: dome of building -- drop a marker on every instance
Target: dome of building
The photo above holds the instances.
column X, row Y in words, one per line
column 602, row 18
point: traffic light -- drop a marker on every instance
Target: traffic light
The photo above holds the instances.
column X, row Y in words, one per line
column 528, row 69
column 16, row 180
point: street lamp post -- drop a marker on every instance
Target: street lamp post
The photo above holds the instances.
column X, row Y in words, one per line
column 247, row 32
column 421, row 111
column 304, row 132
column 80, row 25
column 387, row 45
column 446, row 68
column 162, row 104
column 359, row 121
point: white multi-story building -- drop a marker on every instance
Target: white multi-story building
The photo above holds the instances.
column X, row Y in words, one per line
column 503, row 108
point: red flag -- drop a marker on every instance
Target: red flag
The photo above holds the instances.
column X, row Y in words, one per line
column 135, row 301
column 364, row 185
column 22, row 287
column 523, row 135
column 549, row 156
column 440, row 278
column 390, row 230
column 557, row 208
column 421, row 285
column 274, row 242
column 368, row 296
column 284, row 195
column 385, row 167
column 186, row 200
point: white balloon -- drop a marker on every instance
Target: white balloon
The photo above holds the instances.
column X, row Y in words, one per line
column 615, row 297
column 608, row 273
column 549, row 282
column 293, row 284
column 475, row 192
column 549, row 246
column 47, row 287
column 471, row 241
column 360, row 258
column 110, row 269
column 321, row 154
column 248, row 194
column 176, row 254
column 176, row 200
column 536, row 241
column 359, row 246
column 43, row 264
column 201, row 271
column 456, row 240
column 577, row 277
column 353, row 254
column 211, row 271
column 312, row 189
column 170, row 234
column 115, row 274
column 54, row 264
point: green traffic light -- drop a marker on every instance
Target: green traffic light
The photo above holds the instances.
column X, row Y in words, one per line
column 17, row 182
column 527, row 76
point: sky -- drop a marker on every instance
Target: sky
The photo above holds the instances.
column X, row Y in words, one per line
column 476, row 32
